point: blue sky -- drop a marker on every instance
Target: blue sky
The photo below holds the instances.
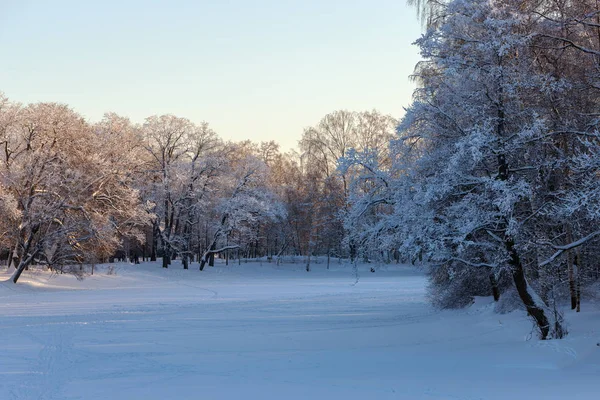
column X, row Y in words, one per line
column 257, row 70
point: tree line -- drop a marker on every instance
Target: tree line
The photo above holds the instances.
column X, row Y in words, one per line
column 75, row 193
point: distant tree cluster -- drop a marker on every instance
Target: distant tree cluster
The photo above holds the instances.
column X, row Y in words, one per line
column 75, row 193
column 67, row 191
column 495, row 176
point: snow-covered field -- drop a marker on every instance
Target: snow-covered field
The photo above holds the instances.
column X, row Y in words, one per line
column 266, row 332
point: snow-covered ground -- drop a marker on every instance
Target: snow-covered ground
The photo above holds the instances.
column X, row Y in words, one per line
column 266, row 332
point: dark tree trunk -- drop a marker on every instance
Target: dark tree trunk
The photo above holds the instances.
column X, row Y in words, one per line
column 17, row 255
column 572, row 288
column 352, row 251
column 526, row 293
column 206, row 256
column 154, row 242
column 10, row 256
column 577, row 264
column 494, row 284
column 18, row 272
column 26, row 258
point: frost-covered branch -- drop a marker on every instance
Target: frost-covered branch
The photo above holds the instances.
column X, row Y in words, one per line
column 567, row 247
column 475, row 265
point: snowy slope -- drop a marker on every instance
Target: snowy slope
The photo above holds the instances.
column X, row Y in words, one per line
column 266, row 332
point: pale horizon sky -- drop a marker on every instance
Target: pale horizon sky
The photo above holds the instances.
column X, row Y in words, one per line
column 259, row 70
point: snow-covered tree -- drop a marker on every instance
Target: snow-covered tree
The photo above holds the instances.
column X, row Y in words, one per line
column 323, row 146
column 70, row 200
column 478, row 177
column 179, row 171
column 245, row 201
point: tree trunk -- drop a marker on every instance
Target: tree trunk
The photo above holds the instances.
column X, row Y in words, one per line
column 280, row 252
column 526, row 293
column 572, row 290
column 10, row 256
column 211, row 253
column 16, row 254
column 494, row 284
column 166, row 259
column 572, row 286
column 26, row 258
column 578, row 279
column 154, row 242
column 206, row 256
column 533, row 303
column 352, row 251
column 18, row 272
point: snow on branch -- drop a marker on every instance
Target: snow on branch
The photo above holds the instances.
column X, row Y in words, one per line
column 567, row 247
column 222, row 249
column 476, row 265
column 372, row 204
column 493, row 235
column 571, row 43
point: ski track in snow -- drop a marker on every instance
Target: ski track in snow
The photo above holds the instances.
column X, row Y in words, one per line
column 267, row 332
